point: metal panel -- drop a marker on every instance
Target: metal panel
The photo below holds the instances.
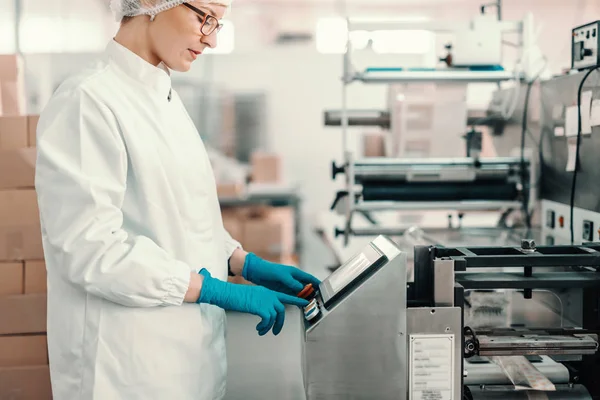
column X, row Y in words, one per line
column 358, row 350
column 537, row 345
column 443, row 287
column 563, row 392
column 440, row 321
column 548, row 280
column 558, row 94
column 484, row 372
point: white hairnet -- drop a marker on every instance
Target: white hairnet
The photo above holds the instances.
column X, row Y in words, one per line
column 131, row 8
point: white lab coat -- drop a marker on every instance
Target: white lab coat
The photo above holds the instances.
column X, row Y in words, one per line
column 128, row 208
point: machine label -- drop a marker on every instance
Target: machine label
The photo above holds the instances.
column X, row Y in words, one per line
column 431, row 367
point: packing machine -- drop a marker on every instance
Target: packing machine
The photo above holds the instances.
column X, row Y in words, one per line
column 563, row 213
column 464, row 184
column 517, row 322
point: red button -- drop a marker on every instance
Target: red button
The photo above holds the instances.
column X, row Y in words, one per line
column 561, row 221
column 307, row 291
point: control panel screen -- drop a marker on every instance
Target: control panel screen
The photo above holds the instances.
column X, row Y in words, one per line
column 343, row 276
column 351, row 274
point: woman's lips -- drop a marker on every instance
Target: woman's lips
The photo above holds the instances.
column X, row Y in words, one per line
column 194, row 53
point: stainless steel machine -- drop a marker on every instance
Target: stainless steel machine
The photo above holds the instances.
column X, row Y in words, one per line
column 429, row 119
column 477, row 322
column 557, row 148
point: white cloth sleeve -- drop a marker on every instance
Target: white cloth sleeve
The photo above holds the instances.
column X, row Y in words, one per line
column 80, row 181
column 230, row 245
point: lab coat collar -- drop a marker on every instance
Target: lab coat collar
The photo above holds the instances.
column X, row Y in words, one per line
column 158, row 78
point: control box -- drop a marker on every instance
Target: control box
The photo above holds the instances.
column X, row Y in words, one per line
column 556, row 224
column 585, row 44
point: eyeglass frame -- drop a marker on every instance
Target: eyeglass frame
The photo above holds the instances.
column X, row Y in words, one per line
column 206, row 17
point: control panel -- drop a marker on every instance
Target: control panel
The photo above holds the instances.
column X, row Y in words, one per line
column 346, row 279
column 556, row 224
column 585, row 46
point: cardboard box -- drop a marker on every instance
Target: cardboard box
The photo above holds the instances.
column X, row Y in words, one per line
column 228, row 190
column 25, row 383
column 13, row 133
column 273, row 233
column 20, row 232
column 11, row 278
column 11, row 67
column 21, row 351
column 266, row 168
column 21, row 243
column 18, row 208
column 21, row 164
column 24, row 313
column 32, row 124
column 35, row 277
column 233, row 223
column 13, row 98
column 374, row 144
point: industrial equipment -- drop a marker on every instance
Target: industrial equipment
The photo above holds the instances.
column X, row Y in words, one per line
column 464, row 184
column 477, row 322
column 469, row 63
column 585, row 46
column 559, row 164
column 355, row 346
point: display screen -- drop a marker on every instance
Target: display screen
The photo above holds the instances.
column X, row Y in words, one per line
column 351, row 273
column 353, row 268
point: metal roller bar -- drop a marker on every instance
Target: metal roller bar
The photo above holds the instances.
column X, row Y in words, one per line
column 358, row 118
column 529, row 345
column 450, row 75
column 435, row 26
column 481, row 371
column 440, row 191
column 435, row 205
column 562, row 392
column 458, row 161
column 540, row 280
column 432, row 170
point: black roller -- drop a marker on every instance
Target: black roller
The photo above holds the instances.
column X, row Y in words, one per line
column 435, row 191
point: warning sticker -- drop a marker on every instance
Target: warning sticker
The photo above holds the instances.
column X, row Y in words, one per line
column 431, row 367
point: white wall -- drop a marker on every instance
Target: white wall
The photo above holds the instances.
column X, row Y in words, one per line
column 301, row 83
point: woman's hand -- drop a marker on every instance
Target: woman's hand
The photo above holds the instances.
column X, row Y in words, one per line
column 277, row 277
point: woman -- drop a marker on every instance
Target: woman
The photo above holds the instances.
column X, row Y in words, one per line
column 132, row 230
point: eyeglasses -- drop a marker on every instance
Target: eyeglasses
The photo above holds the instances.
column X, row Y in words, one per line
column 209, row 23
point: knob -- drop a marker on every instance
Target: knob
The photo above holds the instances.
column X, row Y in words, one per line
column 336, row 170
column 528, row 244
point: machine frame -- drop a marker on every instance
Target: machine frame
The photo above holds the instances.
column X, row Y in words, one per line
column 545, row 267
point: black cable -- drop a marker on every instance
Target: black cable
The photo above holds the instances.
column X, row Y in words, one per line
column 524, row 131
column 574, row 182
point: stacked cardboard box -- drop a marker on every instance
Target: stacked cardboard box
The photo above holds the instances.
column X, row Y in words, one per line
column 374, row 144
column 269, row 232
column 266, row 167
column 12, row 87
column 24, row 371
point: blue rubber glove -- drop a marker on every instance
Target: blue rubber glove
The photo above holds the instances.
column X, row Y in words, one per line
column 265, row 303
column 277, row 277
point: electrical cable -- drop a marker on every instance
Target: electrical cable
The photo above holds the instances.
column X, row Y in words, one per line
column 523, row 171
column 579, row 129
column 525, row 131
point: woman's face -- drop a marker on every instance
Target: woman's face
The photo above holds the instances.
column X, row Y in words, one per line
column 175, row 34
